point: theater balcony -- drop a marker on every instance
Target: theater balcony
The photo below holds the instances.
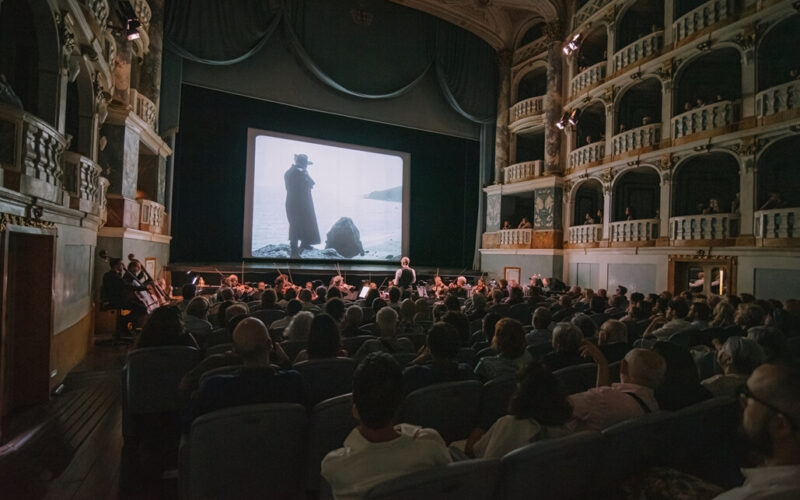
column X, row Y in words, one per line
column 524, row 171
column 588, row 78
column 640, row 139
column 695, row 21
column 631, row 233
column 83, row 183
column 716, row 118
column 152, row 217
column 144, row 108
column 516, row 238
column 704, row 230
column 526, row 113
column 777, row 227
column 585, row 236
column 778, row 103
column 639, row 51
column 589, row 155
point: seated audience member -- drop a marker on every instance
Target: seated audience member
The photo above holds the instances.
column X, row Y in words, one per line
column 738, row 357
column 612, row 339
column 323, row 340
column 723, row 315
column 353, row 317
column 681, row 386
column 487, row 327
column 585, row 324
column 322, row 296
column 377, row 305
column 442, row 346
column 538, row 410
column 641, row 372
column 516, row 295
column 335, row 308
column 164, row 327
column 288, row 294
column 188, row 292
column 541, row 333
column 269, row 300
column 217, row 313
column 565, row 310
column 617, row 306
column 386, row 319
column 423, row 311
column 461, row 324
column 567, row 340
column 299, row 326
column 477, row 307
column 452, row 303
column 772, row 342
column 305, row 297
column 257, row 382
column 674, row 321
column 195, row 318
column 748, row 315
column 406, row 323
column 377, row 451
column 509, row 342
column 438, row 311
column 699, row 316
column 293, row 307
column 770, row 414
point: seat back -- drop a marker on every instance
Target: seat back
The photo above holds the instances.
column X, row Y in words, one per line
column 404, row 358
column 578, row 378
column 293, row 347
column 371, row 327
column 451, row 408
column 351, row 344
column 680, row 338
column 218, row 349
column 467, row 355
column 326, row 378
column 152, row 376
column 794, row 347
column 555, row 468
column 494, row 399
column 476, row 325
column 613, row 371
column 268, row 315
column 473, row 479
column 246, row 452
column 418, row 339
column 222, row 370
column 521, row 312
column 331, row 422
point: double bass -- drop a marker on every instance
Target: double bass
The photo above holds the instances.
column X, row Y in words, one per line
column 146, row 286
column 140, row 292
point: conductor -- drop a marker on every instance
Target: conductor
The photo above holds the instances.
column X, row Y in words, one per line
column 405, row 276
column 303, row 230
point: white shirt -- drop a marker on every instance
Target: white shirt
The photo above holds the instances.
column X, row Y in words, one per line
column 776, row 482
column 605, row 406
column 510, row 433
column 359, row 465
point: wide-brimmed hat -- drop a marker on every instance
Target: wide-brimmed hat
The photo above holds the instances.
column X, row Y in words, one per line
column 301, row 160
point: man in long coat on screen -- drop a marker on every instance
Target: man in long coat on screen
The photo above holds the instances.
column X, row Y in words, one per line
column 303, row 230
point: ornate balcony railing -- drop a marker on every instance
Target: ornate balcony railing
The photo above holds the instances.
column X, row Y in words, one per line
column 704, row 227
column 151, row 216
column 530, row 50
column 523, row 109
column 516, row 238
column 638, row 50
column 519, row 172
column 640, row 137
column 587, row 233
column 588, row 77
column 777, row 223
column 700, row 18
column 633, row 230
column 587, row 10
column 33, row 148
column 144, row 108
column 143, row 13
column 709, row 117
column 99, row 10
column 778, row 99
column 590, row 153
column 82, row 182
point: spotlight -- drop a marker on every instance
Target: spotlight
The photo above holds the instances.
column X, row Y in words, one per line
column 574, row 116
column 573, row 45
column 131, row 29
column 562, row 123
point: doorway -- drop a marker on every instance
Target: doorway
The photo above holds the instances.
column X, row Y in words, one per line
column 27, row 311
column 704, row 275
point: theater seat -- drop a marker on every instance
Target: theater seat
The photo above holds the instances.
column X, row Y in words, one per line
column 326, row 378
column 218, row 349
column 552, row 469
column 472, row 479
column 254, row 451
column 451, row 408
column 494, row 400
column 267, row 316
column 331, row 421
column 578, row 378
column 351, row 344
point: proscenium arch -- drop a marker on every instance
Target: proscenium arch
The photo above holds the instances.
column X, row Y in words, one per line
column 684, row 201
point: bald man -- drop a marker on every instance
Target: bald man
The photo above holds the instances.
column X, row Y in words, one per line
column 771, row 423
column 641, row 371
column 256, row 381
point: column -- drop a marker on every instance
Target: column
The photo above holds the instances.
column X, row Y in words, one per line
column 501, row 146
column 611, row 31
column 606, row 210
column 667, row 109
column 666, row 203
column 748, row 84
column 553, row 109
column 747, row 197
column 610, row 118
column 150, row 71
column 669, row 9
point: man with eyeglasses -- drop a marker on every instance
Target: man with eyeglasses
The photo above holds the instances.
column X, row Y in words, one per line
column 770, row 415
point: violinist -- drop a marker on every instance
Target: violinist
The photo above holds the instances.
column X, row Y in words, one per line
column 439, row 288
column 480, row 287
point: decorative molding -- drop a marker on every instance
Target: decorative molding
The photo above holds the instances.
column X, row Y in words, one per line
column 66, row 36
column 553, row 32
column 35, row 221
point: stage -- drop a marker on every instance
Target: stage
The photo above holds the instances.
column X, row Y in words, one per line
column 355, row 273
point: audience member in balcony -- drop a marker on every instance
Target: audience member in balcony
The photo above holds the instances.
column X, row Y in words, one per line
column 738, row 357
column 681, row 386
column 257, row 382
column 386, row 321
column 612, row 339
column 567, row 340
column 541, row 333
column 441, row 348
column 588, row 139
column 506, row 225
column 647, row 120
column 674, row 321
column 629, row 213
column 324, row 341
column 641, row 372
column 164, row 327
column 376, row 450
column 699, row 102
column 622, row 128
column 524, row 224
column 588, row 219
column 299, row 327
column 687, row 106
column 775, row 200
column 509, row 342
column 713, row 207
column 538, row 410
column 770, row 418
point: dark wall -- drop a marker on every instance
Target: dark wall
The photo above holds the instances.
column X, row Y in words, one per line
column 210, row 169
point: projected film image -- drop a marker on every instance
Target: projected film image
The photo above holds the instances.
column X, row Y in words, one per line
column 323, row 201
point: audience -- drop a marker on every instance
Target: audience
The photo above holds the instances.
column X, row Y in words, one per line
column 376, row 450
column 541, row 323
column 509, row 342
column 386, row 319
column 612, row 339
column 195, row 319
column 323, row 340
column 738, row 357
column 293, row 307
column 299, row 327
column 164, row 327
column 441, row 346
column 567, row 339
column 681, row 386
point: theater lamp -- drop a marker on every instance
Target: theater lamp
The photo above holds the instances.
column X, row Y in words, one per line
column 131, row 29
column 573, row 45
column 562, row 123
column 574, row 116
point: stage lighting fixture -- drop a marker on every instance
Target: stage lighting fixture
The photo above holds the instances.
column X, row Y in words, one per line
column 562, row 123
column 574, row 116
column 573, row 45
column 131, row 29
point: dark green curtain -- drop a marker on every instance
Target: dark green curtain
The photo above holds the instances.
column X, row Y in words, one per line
column 367, row 49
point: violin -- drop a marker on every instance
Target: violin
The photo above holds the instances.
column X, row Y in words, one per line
column 158, row 295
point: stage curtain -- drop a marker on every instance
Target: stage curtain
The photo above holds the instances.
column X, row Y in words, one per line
column 219, row 32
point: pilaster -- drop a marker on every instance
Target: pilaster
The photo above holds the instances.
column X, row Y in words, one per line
column 501, row 148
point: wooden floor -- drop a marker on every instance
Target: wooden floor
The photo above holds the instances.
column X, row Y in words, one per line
column 72, row 447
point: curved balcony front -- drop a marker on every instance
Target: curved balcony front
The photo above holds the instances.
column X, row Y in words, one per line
column 633, row 231
column 779, row 100
column 524, row 171
column 703, row 227
column 588, row 78
column 587, row 155
column 646, row 136
column 710, row 117
column 585, row 234
column 642, row 48
column 82, row 182
column 144, row 108
column 776, row 224
column 700, row 18
column 516, row 238
column 526, row 113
